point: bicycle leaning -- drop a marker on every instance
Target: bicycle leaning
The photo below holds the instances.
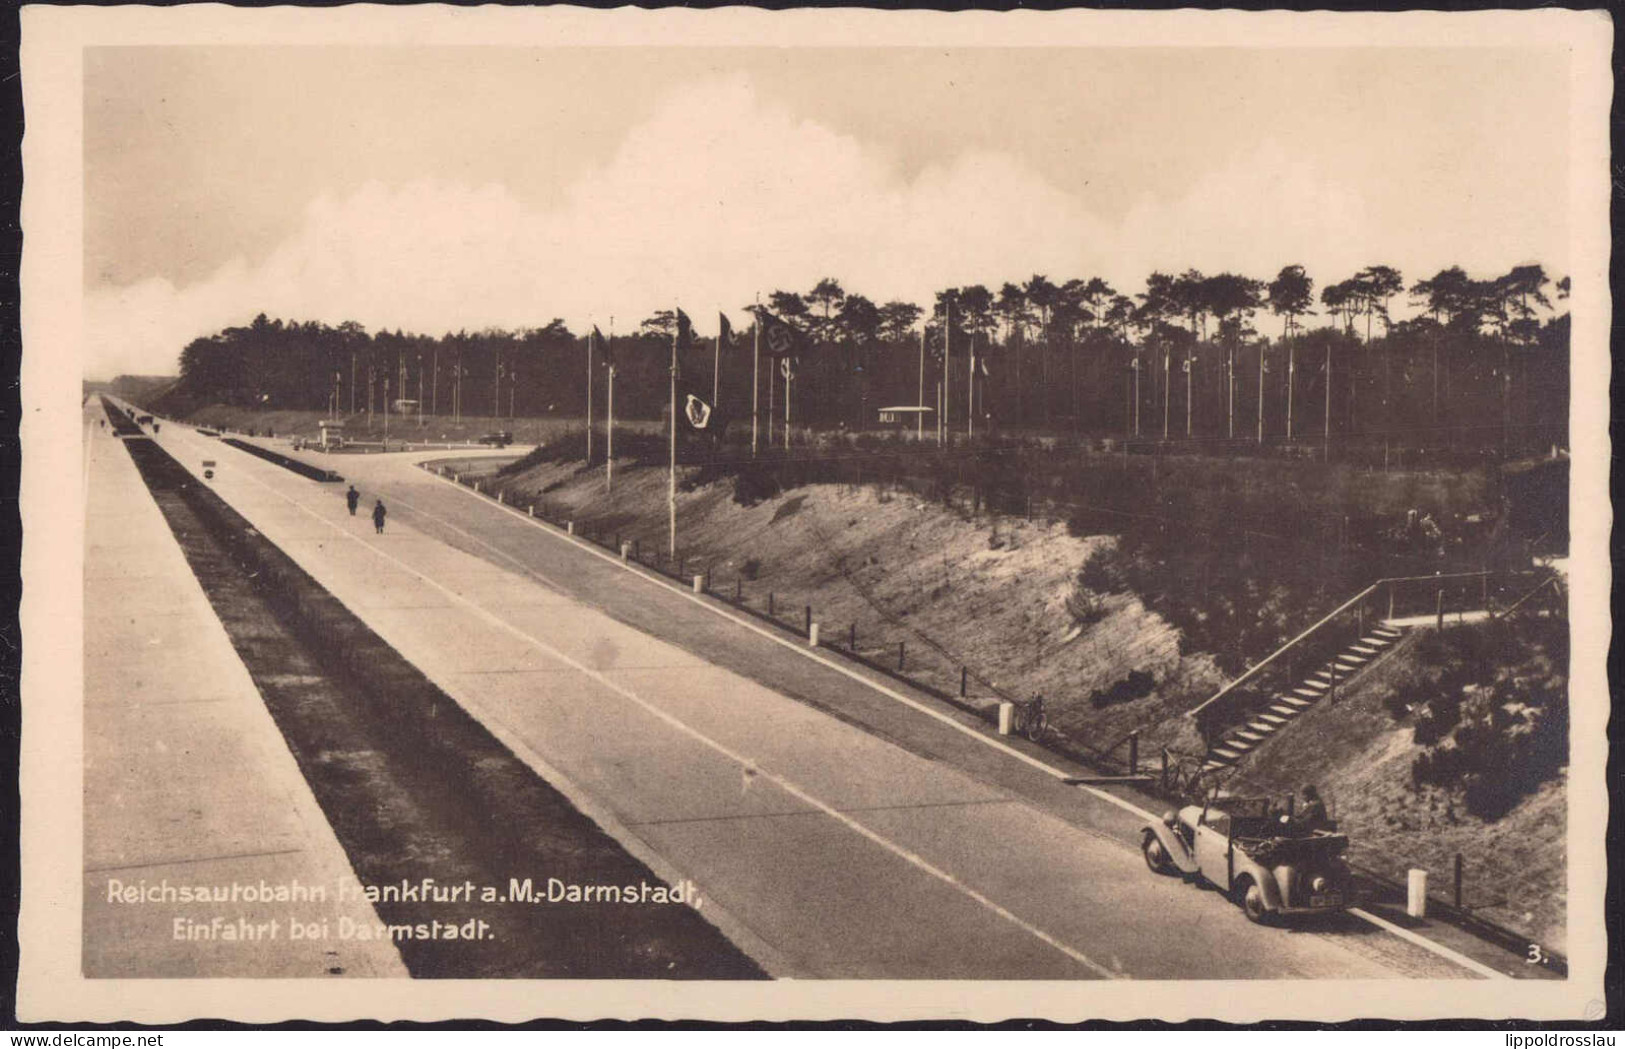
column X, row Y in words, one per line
column 1030, row 719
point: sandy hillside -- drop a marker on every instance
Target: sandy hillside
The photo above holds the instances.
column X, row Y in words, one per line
column 986, row 592
column 1514, row 870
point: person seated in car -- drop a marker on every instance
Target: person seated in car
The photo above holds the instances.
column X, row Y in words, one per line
column 1312, row 816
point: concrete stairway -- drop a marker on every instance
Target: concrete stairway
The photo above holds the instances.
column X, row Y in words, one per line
column 1286, row 706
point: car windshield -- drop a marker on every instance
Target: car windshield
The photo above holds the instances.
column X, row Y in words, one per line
column 1246, row 818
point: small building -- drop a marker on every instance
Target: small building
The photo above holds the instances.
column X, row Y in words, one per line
column 905, row 415
column 404, row 406
column 332, row 433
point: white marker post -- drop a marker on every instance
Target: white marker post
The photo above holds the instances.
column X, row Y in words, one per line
column 1416, row 896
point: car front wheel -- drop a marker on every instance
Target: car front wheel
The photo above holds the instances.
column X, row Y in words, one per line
column 1156, row 857
column 1252, row 903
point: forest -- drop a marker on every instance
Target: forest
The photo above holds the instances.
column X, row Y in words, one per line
column 1481, row 365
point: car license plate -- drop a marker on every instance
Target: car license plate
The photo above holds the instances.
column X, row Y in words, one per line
column 1330, row 899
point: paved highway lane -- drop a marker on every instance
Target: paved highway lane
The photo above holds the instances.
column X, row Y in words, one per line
column 186, row 779
column 907, row 848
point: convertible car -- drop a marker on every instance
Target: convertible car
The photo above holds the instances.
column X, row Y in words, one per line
column 1256, row 853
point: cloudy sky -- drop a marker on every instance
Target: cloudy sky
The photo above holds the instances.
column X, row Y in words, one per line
column 446, row 188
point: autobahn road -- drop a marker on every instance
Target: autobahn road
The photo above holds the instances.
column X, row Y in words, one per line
column 834, row 828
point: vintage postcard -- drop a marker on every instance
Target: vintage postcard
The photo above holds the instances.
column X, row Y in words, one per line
column 559, row 513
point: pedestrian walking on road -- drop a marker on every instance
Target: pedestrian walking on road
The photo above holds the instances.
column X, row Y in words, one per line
column 352, row 497
column 378, row 513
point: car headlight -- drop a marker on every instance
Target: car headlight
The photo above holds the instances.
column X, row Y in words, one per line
column 1317, row 884
column 1169, row 817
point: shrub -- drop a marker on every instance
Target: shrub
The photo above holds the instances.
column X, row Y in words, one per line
column 1136, row 685
column 754, row 484
column 1100, row 573
column 1507, row 739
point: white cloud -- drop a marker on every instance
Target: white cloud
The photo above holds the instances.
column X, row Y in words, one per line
column 1253, row 215
column 717, row 196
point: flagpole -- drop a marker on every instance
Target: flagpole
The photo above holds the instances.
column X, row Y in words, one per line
column 589, row 398
column 1291, row 369
column 919, row 426
column 1136, row 395
column 755, row 375
column 1327, row 455
column 947, row 356
column 609, row 421
column 671, row 483
column 1260, row 393
column 1167, row 357
column 970, row 391
column 1190, row 363
column 789, row 377
column 716, row 362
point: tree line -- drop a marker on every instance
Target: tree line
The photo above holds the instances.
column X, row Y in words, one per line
column 1484, row 363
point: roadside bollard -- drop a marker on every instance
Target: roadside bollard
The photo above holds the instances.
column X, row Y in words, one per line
column 809, row 619
column 964, row 680
column 852, row 638
column 739, row 590
column 1134, row 753
column 531, row 509
column 476, row 486
column 569, row 528
column 502, row 497
column 626, row 551
column 902, row 654
column 1416, row 895
column 812, row 635
column 1007, row 717
column 699, row 584
column 770, row 602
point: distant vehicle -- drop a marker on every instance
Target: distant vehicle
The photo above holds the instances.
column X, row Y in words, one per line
column 1254, row 853
column 144, row 420
column 206, row 432
column 497, row 438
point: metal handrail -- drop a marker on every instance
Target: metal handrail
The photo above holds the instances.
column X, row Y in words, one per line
column 1339, row 610
column 1549, row 581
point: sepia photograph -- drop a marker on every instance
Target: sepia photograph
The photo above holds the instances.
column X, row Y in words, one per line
column 812, row 514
